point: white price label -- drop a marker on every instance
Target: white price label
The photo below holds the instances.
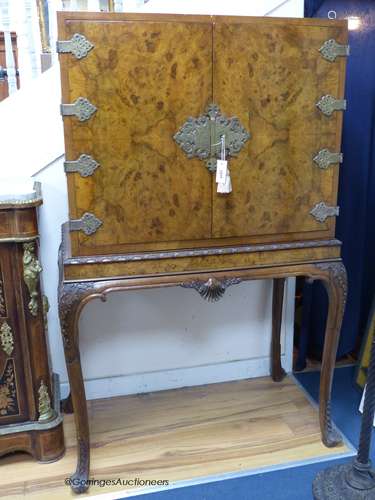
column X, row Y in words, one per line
column 221, row 170
column 226, row 186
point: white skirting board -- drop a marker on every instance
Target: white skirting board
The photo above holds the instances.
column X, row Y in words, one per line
column 141, row 383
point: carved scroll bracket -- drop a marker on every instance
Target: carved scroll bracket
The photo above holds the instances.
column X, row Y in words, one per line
column 338, row 273
column 70, row 297
column 213, row 289
column 31, row 271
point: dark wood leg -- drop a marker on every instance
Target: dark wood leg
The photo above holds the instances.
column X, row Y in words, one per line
column 70, row 304
column 277, row 372
column 335, row 282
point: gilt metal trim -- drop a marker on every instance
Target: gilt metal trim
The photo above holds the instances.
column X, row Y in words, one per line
column 46, row 308
column 327, row 104
column 321, row 211
column 35, row 425
column 88, row 224
column 45, row 409
column 78, row 45
column 85, row 165
column 6, row 337
column 201, row 137
column 3, row 309
column 331, row 49
column 325, row 158
column 213, row 289
column 34, row 198
column 241, row 249
column 31, row 271
column 81, row 108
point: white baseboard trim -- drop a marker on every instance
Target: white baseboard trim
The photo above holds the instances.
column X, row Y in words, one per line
column 140, row 383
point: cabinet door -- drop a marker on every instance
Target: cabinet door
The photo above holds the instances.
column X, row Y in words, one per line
column 13, row 397
column 270, row 74
column 146, row 76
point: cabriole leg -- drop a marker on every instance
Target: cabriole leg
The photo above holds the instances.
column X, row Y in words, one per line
column 335, row 282
column 70, row 298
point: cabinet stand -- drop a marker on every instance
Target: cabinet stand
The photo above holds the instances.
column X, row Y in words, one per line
column 73, row 296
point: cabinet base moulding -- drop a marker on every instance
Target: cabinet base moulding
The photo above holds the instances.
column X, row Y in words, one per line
column 43, row 440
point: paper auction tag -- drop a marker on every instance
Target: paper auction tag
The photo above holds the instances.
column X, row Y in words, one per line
column 226, row 186
column 221, row 170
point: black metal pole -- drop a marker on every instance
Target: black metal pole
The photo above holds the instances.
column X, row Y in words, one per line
column 361, row 476
column 355, row 481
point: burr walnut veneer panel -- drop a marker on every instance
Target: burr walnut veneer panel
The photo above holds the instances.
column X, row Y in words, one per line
column 147, row 75
column 269, row 73
column 145, row 78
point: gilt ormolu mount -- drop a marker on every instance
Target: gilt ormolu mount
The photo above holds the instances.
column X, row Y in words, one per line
column 149, row 215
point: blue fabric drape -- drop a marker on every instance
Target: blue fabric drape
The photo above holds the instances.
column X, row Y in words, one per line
column 356, row 224
column 312, row 6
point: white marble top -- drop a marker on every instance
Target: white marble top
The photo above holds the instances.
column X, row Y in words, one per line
column 19, row 191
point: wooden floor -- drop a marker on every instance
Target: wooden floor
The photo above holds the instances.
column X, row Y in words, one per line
column 179, row 435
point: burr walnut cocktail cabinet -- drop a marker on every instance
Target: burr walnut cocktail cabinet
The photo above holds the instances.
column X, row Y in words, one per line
column 149, row 104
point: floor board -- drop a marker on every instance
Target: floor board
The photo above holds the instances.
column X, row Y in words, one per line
column 180, row 435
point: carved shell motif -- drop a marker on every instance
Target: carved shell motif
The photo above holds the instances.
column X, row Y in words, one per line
column 213, row 289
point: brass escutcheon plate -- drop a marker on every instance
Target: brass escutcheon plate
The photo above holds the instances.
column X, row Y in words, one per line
column 201, row 137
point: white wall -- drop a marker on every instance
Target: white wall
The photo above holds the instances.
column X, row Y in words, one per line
column 142, row 340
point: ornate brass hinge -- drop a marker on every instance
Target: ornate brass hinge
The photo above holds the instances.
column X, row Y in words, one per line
column 88, row 224
column 328, row 104
column 321, row 211
column 331, row 49
column 85, row 165
column 325, row 158
column 31, row 271
column 6, row 336
column 81, row 108
column 78, row 45
column 201, row 137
